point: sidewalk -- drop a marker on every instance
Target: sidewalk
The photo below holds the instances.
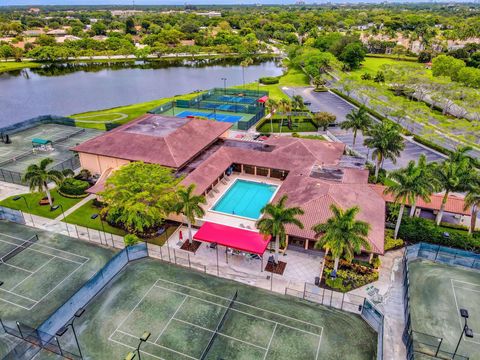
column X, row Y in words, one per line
column 75, row 207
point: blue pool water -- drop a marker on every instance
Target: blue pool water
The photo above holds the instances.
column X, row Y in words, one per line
column 245, row 198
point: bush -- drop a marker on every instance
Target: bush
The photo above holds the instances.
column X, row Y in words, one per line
column 416, row 230
column 337, row 283
column 390, row 242
column 269, row 80
column 73, row 187
column 131, row 239
column 352, row 275
column 376, row 262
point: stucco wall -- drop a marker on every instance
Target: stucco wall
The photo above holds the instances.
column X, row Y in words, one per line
column 98, row 164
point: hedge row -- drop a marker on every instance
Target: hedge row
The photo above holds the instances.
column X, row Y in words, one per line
column 71, row 186
column 416, row 230
column 269, row 80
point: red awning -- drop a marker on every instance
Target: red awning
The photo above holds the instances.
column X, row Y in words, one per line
column 263, row 99
column 235, row 238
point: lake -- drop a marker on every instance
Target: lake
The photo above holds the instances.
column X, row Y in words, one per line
column 66, row 89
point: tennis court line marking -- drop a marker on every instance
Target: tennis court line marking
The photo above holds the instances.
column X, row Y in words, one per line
column 17, row 267
column 458, row 310
column 36, row 271
column 239, row 311
column 247, row 305
column 270, row 342
column 134, row 348
column 170, row 320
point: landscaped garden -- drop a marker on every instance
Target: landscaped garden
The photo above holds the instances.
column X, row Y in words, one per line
column 298, row 124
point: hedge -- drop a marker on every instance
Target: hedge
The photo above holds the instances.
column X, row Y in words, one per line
column 269, row 80
column 71, row 186
column 416, row 230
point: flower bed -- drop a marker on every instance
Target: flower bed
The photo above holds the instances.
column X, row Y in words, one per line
column 349, row 275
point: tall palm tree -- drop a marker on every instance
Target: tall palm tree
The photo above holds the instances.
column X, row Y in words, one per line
column 342, row 234
column 425, row 173
column 276, row 216
column 387, row 143
column 272, row 107
column 286, row 107
column 244, row 64
column 453, row 175
column 408, row 184
column 357, row 120
column 38, row 177
column 472, row 200
column 189, row 205
column 297, row 102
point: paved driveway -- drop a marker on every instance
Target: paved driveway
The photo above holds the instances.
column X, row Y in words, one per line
column 327, row 101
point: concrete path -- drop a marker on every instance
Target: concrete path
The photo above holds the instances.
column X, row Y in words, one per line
column 8, row 189
column 75, row 207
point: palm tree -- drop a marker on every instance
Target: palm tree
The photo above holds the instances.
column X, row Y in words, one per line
column 387, row 143
column 472, row 200
column 297, row 102
column 408, row 184
column 189, row 206
column 286, row 107
column 276, row 216
column 453, row 175
column 38, row 177
column 357, row 120
column 426, row 174
column 244, row 64
column 342, row 234
column 272, row 107
column 318, row 81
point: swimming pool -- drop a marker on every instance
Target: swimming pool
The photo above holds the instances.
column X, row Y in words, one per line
column 245, row 198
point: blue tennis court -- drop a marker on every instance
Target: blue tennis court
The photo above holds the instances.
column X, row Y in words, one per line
column 213, row 116
column 237, row 99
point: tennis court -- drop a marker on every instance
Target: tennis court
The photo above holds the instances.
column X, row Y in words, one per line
column 192, row 315
column 437, row 293
column 213, row 116
column 40, row 270
column 19, row 154
column 237, row 99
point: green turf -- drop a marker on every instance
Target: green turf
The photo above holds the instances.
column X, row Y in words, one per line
column 40, row 210
column 49, row 271
column 82, row 217
column 182, row 310
column 11, row 65
column 298, row 125
column 437, row 291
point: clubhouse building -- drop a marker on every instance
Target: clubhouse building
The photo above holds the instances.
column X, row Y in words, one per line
column 239, row 177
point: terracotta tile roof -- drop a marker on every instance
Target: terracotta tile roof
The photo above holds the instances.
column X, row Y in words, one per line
column 316, row 196
column 164, row 140
column 455, row 203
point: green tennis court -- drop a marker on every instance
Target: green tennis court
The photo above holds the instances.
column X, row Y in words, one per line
column 192, row 315
column 437, row 293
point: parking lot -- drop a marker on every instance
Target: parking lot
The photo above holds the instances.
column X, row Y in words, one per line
column 327, row 101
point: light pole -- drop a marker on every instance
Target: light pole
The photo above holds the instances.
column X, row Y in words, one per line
column 466, row 330
column 143, row 338
column 93, row 217
column 64, row 329
column 16, row 198
column 224, row 85
column 54, row 208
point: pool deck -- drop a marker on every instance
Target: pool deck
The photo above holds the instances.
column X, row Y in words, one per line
column 220, row 189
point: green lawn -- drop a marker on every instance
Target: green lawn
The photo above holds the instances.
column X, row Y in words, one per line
column 11, row 65
column 299, row 125
column 373, row 64
column 40, row 210
column 311, row 137
column 82, row 217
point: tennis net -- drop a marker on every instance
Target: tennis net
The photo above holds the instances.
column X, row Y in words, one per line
column 18, row 157
column 219, row 326
column 65, row 138
column 20, row 247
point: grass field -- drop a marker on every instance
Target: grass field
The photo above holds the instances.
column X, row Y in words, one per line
column 40, row 278
column 11, row 65
column 182, row 309
column 373, row 64
column 40, row 210
column 299, row 124
column 437, row 292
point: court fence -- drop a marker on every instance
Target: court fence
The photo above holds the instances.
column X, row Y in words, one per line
column 419, row 344
column 39, row 120
column 12, row 215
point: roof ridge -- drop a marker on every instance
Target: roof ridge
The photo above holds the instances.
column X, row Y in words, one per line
column 165, row 139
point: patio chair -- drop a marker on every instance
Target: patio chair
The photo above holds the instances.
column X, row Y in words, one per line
column 212, row 246
column 271, row 260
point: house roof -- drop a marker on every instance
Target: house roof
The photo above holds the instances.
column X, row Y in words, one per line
column 158, row 139
column 455, row 204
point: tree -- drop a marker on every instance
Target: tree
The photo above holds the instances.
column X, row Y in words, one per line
column 342, row 234
column 275, row 218
column 38, row 177
column 286, row 108
column 444, row 65
column 386, row 142
column 357, row 120
column 472, row 200
column 353, row 54
column 297, row 102
column 408, row 184
column 323, row 119
column 130, row 26
column 139, row 196
column 453, row 175
column 189, row 205
column 318, row 81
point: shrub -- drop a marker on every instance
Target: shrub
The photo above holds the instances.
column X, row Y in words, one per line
column 376, row 262
column 352, row 275
column 390, row 242
column 416, row 230
column 131, row 239
column 73, row 187
column 269, row 80
column 337, row 283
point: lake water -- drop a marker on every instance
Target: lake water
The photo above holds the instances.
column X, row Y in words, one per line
column 74, row 88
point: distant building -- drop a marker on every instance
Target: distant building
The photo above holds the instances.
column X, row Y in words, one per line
column 125, row 13
column 209, row 14
column 57, row 32
column 33, row 11
column 62, row 39
column 33, row 32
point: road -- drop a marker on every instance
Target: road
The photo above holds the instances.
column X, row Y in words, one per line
column 327, row 101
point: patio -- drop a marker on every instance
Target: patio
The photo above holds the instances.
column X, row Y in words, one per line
column 236, row 265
